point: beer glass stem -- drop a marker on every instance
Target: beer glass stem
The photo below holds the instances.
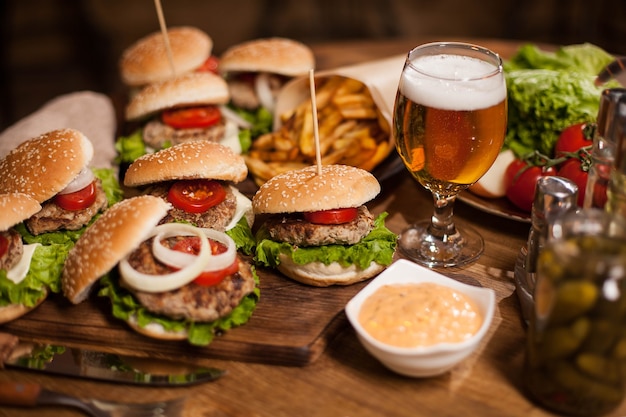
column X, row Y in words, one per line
column 442, row 225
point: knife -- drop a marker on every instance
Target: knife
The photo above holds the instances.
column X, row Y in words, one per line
column 104, row 366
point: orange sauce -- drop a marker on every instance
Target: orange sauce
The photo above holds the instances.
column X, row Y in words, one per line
column 411, row 315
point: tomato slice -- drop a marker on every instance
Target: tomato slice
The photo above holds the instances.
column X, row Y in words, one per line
column 196, row 196
column 333, row 216
column 208, row 278
column 210, row 65
column 78, row 200
column 4, row 245
column 190, row 117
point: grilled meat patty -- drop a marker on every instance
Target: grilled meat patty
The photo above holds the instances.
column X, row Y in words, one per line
column 52, row 217
column 191, row 301
column 217, row 217
column 293, row 229
column 156, row 134
column 14, row 251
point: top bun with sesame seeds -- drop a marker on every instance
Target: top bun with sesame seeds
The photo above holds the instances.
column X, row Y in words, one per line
column 307, row 209
column 45, row 165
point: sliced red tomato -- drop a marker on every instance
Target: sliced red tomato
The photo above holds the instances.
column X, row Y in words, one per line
column 333, row 216
column 190, row 117
column 4, row 245
column 210, row 65
column 521, row 180
column 573, row 138
column 78, row 200
column 196, row 196
column 575, row 170
column 208, row 278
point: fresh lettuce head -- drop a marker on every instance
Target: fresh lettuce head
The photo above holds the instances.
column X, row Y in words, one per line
column 549, row 91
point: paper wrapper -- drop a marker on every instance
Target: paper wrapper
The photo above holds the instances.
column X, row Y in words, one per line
column 380, row 76
column 91, row 113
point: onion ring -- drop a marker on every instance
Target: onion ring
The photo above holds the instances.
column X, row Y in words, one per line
column 83, row 179
column 263, row 91
column 235, row 118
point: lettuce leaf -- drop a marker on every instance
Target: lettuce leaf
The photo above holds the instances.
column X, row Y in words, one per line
column 124, row 306
column 378, row 246
column 243, row 236
column 549, row 91
column 130, row 147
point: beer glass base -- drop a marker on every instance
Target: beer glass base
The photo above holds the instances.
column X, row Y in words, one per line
column 417, row 244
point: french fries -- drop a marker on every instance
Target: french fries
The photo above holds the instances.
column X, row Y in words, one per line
column 352, row 131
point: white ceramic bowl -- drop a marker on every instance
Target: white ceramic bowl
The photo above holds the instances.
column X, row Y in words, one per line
column 427, row 360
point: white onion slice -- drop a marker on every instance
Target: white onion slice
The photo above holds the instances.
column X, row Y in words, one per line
column 168, row 282
column 83, row 179
column 263, row 91
column 177, row 259
column 235, row 118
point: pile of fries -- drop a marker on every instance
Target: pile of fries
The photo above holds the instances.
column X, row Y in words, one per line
column 352, row 131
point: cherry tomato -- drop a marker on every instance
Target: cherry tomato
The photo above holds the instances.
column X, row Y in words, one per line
column 210, row 65
column 4, row 245
column 190, row 117
column 574, row 170
column 333, row 216
column 573, row 138
column 521, row 180
column 196, row 196
column 78, row 200
column 208, row 278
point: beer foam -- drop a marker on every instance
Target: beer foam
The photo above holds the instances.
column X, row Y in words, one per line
column 452, row 82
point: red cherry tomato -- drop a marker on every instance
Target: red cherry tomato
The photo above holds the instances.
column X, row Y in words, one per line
column 4, row 245
column 521, row 180
column 196, row 196
column 573, row 138
column 208, row 278
column 210, row 65
column 78, row 200
column 190, row 117
column 573, row 170
column 333, row 216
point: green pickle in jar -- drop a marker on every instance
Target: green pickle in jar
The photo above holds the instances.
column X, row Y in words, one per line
column 576, row 354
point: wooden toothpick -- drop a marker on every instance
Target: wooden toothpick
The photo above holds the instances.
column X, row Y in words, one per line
column 316, row 133
column 166, row 38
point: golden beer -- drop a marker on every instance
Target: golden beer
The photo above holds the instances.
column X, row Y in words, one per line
column 449, row 131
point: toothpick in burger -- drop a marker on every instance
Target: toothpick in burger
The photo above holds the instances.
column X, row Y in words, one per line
column 27, row 272
column 198, row 179
column 318, row 230
column 174, row 281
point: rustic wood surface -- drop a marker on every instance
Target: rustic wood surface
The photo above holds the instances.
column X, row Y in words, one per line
column 319, row 368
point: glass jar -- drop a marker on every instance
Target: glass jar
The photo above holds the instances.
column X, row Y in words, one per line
column 576, row 347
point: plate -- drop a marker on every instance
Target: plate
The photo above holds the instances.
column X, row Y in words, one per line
column 496, row 206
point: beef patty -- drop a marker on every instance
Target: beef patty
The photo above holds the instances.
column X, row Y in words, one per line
column 14, row 251
column 295, row 230
column 156, row 134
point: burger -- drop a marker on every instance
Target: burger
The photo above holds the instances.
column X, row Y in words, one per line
column 256, row 71
column 198, row 180
column 53, row 168
column 181, row 109
column 23, row 288
column 317, row 229
column 147, row 60
column 173, row 281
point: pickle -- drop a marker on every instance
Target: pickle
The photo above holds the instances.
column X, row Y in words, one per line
column 619, row 350
column 603, row 334
column 559, row 342
column 589, row 391
column 573, row 298
column 600, row 368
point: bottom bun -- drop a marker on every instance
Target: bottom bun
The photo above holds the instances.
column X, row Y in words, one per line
column 156, row 331
column 14, row 311
column 319, row 274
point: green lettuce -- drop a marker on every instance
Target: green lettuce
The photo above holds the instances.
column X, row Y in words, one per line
column 549, row 91
column 378, row 246
column 130, row 147
column 125, row 306
column 243, row 236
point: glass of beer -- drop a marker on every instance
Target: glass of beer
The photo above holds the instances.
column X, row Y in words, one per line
column 449, row 123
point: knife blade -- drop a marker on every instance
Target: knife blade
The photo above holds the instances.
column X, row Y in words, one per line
column 105, row 366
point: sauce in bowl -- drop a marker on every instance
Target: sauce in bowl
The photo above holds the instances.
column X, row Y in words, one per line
column 425, row 314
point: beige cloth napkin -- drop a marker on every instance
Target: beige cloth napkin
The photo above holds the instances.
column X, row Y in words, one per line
column 89, row 112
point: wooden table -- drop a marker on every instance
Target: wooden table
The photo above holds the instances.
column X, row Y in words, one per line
column 345, row 380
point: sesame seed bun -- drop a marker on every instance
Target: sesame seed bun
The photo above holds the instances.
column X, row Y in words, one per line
column 318, row 274
column 187, row 160
column 15, row 208
column 45, row 165
column 110, row 238
column 275, row 55
column 338, row 186
column 193, row 89
column 146, row 61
